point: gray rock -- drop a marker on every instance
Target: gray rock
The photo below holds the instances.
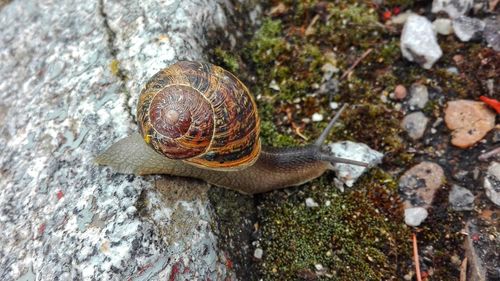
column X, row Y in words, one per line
column 492, row 183
column 442, row 26
column 414, row 124
column 419, row 96
column 454, row 8
column 491, row 32
column 467, row 29
column 61, row 215
column 461, row 199
column 348, row 174
column 419, row 42
column 415, row 216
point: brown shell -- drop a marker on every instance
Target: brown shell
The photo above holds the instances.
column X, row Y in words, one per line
column 200, row 113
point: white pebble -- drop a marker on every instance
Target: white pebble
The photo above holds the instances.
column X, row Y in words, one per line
column 415, row 216
column 310, row 203
column 317, row 117
column 273, row 85
column 258, row 253
column 334, row 105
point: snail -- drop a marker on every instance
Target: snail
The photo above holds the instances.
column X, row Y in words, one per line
column 198, row 120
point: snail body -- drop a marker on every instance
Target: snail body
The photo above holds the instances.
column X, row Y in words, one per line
column 198, row 120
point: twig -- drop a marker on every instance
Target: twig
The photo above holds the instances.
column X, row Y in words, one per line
column 463, row 270
column 492, row 153
column 415, row 257
column 363, row 56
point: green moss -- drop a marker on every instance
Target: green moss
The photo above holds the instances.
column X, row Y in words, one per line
column 354, row 238
column 267, row 43
column 227, row 60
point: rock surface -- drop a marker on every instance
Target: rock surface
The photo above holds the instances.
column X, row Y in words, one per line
column 454, row 8
column 348, row 174
column 414, row 124
column 491, row 32
column 492, row 183
column 461, row 199
column 482, row 248
column 466, row 28
column 419, row 42
column 469, row 121
column 64, row 98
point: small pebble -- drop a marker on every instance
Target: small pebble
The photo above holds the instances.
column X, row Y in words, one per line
column 258, row 253
column 317, row 117
column 273, row 85
column 334, row 105
column 469, row 121
column 310, row 203
column 458, row 59
column 383, row 98
column 414, row 124
column 401, row 18
column 400, row 92
column 467, row 29
column 418, row 185
column 419, row 96
column 419, row 41
column 461, row 199
column 442, row 26
column 415, row 216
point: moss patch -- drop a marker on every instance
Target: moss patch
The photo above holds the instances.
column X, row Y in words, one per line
column 353, row 236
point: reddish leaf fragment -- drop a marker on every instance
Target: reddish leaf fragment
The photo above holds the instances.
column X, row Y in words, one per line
column 495, row 104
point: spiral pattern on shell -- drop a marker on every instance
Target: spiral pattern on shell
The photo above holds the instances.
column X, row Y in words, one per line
column 200, row 113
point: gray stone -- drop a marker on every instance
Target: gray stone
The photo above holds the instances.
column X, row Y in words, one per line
column 442, row 26
column 348, row 174
column 419, row 96
column 419, row 42
column 454, row 8
column 414, row 124
column 61, row 215
column 492, row 183
column 467, row 29
column 461, row 199
column 491, row 32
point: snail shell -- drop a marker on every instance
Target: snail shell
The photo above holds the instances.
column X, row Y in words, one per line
column 202, row 114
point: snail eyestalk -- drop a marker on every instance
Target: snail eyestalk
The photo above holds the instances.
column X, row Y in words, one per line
column 325, row 156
